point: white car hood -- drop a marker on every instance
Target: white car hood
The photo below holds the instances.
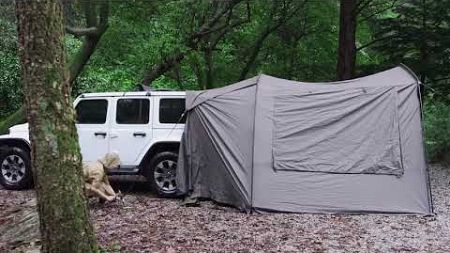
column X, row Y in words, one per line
column 19, row 128
column 17, row 131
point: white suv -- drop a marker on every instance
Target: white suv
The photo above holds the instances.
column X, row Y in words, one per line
column 144, row 128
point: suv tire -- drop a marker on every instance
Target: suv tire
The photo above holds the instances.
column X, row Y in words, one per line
column 161, row 174
column 15, row 169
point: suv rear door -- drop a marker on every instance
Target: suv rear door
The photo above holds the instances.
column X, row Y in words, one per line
column 131, row 129
column 93, row 127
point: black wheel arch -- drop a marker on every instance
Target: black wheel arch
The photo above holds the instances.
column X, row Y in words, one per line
column 6, row 144
column 157, row 148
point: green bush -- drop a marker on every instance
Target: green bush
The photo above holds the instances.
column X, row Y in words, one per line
column 437, row 129
column 10, row 87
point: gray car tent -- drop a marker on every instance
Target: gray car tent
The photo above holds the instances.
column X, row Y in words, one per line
column 269, row 144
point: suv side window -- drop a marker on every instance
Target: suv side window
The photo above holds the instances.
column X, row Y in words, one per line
column 133, row 111
column 92, row 111
column 170, row 110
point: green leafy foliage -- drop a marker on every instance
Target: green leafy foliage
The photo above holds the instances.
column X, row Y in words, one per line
column 10, row 89
column 437, row 129
column 417, row 33
column 143, row 34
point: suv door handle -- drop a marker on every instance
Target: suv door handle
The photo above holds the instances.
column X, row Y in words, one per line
column 100, row 133
column 139, row 134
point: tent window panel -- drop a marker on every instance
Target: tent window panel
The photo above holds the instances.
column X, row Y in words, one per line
column 350, row 131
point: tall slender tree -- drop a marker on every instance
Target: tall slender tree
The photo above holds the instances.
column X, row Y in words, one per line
column 62, row 206
column 347, row 41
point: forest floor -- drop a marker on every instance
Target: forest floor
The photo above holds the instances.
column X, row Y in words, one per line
column 144, row 223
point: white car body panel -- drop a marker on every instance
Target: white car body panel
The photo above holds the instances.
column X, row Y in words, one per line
column 129, row 140
column 93, row 146
column 119, row 137
column 18, row 132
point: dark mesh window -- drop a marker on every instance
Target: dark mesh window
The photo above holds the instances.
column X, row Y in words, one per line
column 92, row 111
column 170, row 110
column 132, row 111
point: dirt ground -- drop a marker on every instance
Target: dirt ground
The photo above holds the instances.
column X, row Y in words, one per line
column 144, row 223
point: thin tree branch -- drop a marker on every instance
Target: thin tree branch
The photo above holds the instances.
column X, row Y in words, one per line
column 263, row 36
column 209, row 27
column 441, row 79
column 79, row 32
column 362, row 5
column 89, row 12
column 162, row 68
column 231, row 27
column 91, row 35
column 365, row 18
column 373, row 42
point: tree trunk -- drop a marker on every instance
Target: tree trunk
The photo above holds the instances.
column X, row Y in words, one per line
column 347, row 45
column 209, row 68
column 423, row 50
column 162, row 68
column 199, row 73
column 254, row 53
column 91, row 39
column 62, row 206
column 83, row 55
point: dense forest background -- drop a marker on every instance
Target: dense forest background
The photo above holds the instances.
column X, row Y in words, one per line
column 206, row 44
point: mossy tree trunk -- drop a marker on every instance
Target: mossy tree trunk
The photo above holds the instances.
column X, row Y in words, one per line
column 62, row 206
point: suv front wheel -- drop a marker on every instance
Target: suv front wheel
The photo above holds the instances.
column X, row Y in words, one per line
column 15, row 169
column 161, row 173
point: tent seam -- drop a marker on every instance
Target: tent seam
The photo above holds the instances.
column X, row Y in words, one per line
column 218, row 95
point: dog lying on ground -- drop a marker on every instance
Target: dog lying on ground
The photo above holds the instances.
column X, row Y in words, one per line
column 96, row 180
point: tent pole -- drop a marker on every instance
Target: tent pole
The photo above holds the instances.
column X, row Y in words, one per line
column 422, row 118
column 427, row 169
column 253, row 145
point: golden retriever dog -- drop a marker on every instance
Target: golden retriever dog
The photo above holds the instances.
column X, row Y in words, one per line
column 96, row 180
